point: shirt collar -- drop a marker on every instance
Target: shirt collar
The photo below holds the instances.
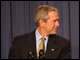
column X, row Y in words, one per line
column 38, row 36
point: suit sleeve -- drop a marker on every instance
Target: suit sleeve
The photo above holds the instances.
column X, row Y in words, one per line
column 14, row 51
column 66, row 52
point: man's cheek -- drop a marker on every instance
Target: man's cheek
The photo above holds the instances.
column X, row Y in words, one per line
column 52, row 32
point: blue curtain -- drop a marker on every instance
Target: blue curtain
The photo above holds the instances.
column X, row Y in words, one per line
column 17, row 18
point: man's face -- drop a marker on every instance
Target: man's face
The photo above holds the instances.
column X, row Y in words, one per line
column 52, row 23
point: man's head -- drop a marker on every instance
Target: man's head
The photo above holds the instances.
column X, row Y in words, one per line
column 46, row 17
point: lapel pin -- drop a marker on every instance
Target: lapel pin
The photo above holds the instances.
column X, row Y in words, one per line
column 52, row 49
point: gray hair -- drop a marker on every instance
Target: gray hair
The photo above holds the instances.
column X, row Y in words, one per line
column 42, row 13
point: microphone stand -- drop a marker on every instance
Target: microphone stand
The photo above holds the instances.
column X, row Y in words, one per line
column 30, row 55
column 41, row 54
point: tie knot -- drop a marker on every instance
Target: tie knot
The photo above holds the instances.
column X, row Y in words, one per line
column 43, row 38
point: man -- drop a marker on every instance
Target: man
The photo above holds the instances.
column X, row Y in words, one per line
column 28, row 45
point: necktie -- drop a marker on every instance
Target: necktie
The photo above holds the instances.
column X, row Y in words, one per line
column 41, row 46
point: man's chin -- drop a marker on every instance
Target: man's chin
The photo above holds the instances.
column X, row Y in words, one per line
column 53, row 33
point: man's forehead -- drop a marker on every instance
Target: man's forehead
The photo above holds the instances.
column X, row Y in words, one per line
column 53, row 12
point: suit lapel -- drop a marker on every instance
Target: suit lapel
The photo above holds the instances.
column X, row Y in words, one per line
column 50, row 48
column 33, row 44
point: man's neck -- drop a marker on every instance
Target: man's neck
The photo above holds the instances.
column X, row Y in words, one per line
column 42, row 32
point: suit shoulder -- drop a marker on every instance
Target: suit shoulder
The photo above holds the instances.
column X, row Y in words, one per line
column 26, row 35
column 59, row 39
column 22, row 38
column 62, row 41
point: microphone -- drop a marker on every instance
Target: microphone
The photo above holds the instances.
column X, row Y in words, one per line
column 41, row 54
column 30, row 55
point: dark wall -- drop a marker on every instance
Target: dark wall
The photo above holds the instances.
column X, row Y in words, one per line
column 17, row 18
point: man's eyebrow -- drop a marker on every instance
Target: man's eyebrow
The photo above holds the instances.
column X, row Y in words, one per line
column 56, row 20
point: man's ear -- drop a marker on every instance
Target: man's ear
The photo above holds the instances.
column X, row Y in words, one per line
column 41, row 22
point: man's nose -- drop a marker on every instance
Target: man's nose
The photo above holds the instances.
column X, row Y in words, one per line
column 57, row 24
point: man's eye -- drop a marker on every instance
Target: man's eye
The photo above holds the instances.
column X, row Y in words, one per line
column 55, row 20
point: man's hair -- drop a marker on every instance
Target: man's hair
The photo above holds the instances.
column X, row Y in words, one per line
column 42, row 13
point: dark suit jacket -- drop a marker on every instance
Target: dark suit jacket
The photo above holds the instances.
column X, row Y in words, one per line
column 26, row 43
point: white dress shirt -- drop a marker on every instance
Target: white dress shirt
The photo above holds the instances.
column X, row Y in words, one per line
column 38, row 39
